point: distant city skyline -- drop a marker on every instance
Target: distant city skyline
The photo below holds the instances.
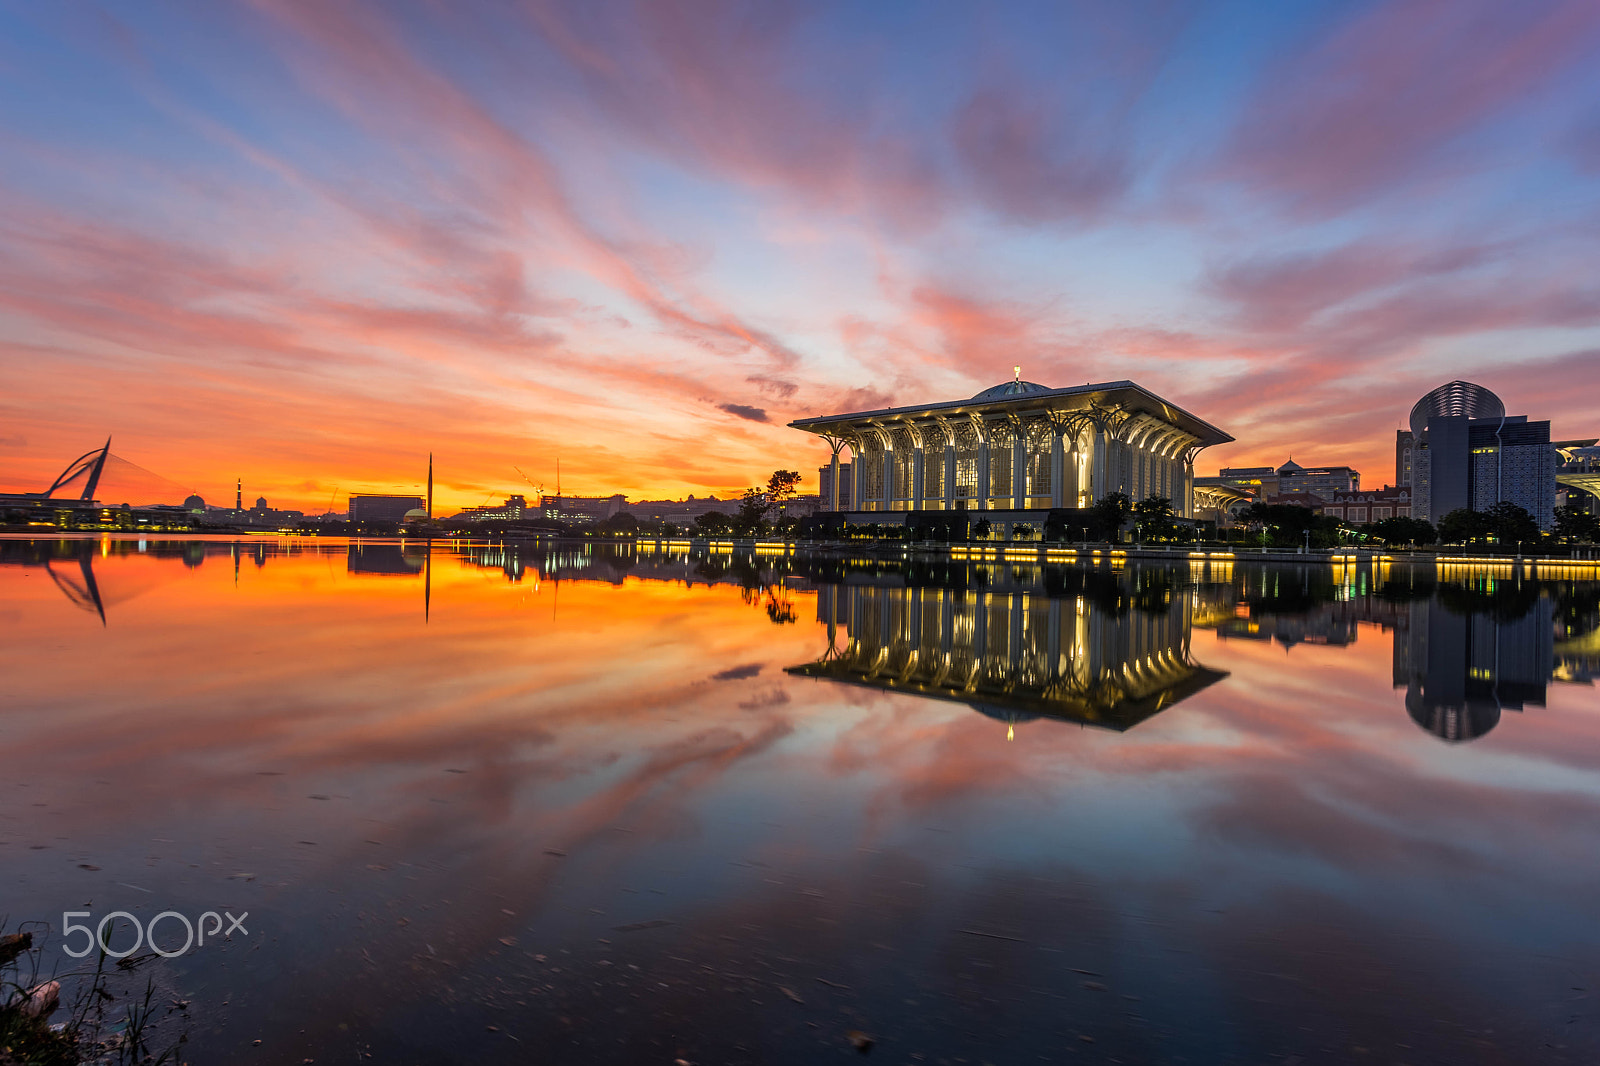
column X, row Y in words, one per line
column 308, row 243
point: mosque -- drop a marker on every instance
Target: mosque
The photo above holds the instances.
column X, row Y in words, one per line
column 1016, row 451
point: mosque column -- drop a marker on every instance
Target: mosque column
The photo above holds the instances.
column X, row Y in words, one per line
column 833, row 478
column 983, row 471
column 949, row 483
column 858, row 470
column 1098, row 469
column 917, row 488
column 1058, row 468
column 888, row 478
column 1075, row 482
column 1019, row 468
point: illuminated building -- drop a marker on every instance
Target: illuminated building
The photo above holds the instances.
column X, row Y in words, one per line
column 1467, row 453
column 513, row 510
column 1236, row 487
column 582, row 509
column 1015, row 450
column 375, row 508
column 1289, row 478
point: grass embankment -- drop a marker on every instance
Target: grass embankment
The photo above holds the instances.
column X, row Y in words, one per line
column 36, row 1029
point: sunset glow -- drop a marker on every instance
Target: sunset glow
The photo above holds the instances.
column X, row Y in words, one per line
column 307, row 244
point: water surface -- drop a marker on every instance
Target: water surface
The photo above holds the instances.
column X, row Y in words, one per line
column 572, row 804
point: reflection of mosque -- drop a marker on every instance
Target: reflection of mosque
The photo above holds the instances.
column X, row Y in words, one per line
column 1013, row 655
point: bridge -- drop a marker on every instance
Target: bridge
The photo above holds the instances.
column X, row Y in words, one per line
column 70, row 502
column 89, row 466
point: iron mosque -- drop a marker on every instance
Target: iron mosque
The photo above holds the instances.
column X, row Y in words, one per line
column 1016, row 452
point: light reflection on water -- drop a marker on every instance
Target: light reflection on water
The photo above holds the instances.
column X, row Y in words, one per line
column 635, row 808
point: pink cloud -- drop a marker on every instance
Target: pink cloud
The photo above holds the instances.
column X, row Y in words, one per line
column 1376, row 103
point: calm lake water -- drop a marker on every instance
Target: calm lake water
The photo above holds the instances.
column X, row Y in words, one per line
column 572, row 805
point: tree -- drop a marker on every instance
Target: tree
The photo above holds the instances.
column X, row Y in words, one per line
column 753, row 508
column 981, row 529
column 621, row 522
column 1286, row 525
column 713, row 522
column 1512, row 524
column 1155, row 517
column 1111, row 512
column 781, row 487
column 1575, row 524
column 1403, row 530
column 1462, row 526
column 1505, row 524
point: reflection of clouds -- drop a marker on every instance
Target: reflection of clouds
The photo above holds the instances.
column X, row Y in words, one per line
column 1294, row 794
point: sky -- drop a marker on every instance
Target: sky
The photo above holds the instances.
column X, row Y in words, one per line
column 307, row 244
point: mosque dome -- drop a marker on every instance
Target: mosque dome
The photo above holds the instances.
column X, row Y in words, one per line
column 193, row 503
column 1009, row 715
column 1008, row 389
column 1456, row 398
column 416, row 514
column 1291, row 467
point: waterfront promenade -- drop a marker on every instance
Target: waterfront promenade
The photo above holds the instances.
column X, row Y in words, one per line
column 1584, row 565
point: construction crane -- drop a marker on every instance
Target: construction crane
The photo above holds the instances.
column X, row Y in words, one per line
column 537, row 488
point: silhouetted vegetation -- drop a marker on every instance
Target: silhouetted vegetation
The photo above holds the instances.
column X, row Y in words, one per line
column 1402, row 530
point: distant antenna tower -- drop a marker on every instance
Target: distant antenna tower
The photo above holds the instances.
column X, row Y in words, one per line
column 238, row 494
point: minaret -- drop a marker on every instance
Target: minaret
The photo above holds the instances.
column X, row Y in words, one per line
column 238, row 495
column 430, row 486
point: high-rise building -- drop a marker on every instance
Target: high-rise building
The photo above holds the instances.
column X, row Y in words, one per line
column 1467, row 453
column 1404, row 445
column 825, row 483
